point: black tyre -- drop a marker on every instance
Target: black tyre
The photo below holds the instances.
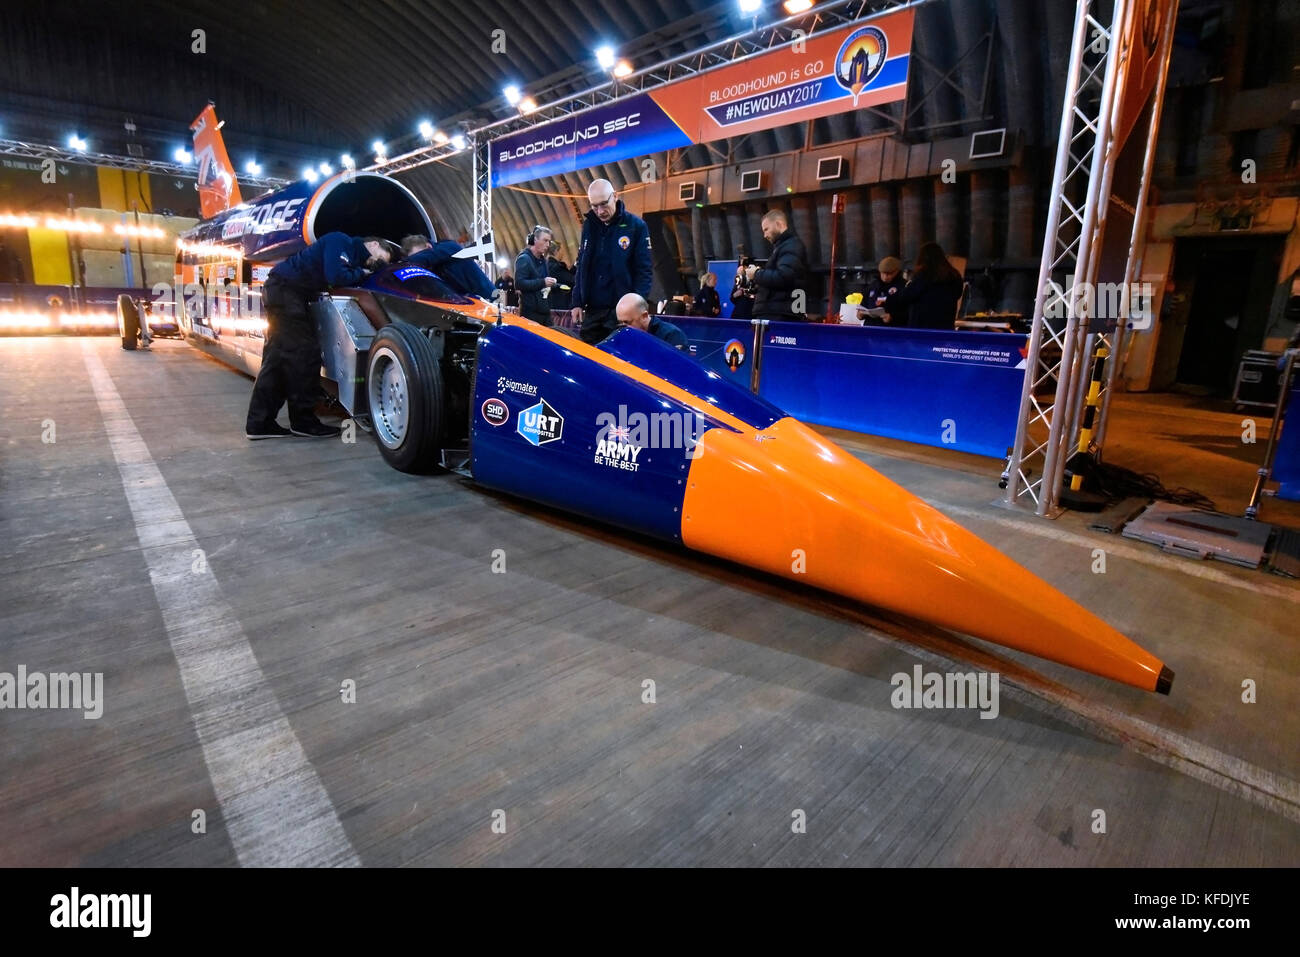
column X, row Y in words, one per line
column 128, row 321
column 404, row 393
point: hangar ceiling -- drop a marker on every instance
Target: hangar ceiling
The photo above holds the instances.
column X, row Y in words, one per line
column 300, row 84
column 309, row 80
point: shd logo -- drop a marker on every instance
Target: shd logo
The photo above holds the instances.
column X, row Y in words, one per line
column 540, row 424
column 496, row 412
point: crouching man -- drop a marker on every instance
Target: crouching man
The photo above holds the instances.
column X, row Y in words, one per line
column 463, row 275
column 634, row 311
column 291, row 356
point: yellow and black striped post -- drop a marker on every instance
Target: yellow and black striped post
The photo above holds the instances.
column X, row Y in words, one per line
column 1091, row 404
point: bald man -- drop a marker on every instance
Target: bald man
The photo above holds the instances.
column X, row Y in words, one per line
column 613, row 260
column 634, row 311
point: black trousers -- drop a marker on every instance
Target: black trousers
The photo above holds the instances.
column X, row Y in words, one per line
column 597, row 323
column 290, row 360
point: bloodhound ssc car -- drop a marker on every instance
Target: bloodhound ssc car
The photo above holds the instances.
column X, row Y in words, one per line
column 636, row 434
column 629, row 432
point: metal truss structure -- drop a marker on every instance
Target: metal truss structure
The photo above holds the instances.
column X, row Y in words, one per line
column 1061, row 350
column 734, row 49
column 59, row 155
column 482, row 173
column 1137, row 239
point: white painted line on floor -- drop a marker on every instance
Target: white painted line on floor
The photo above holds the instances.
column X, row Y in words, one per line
column 274, row 806
column 1114, row 546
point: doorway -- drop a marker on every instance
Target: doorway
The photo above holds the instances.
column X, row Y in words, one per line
column 1224, row 287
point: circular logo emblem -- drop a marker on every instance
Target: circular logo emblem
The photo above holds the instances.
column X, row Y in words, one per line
column 624, row 242
column 733, row 354
column 495, row 412
column 861, row 59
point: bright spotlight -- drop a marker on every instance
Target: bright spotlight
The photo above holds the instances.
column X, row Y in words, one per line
column 309, row 174
column 605, row 56
column 511, row 93
column 458, row 141
column 347, row 161
column 77, row 143
column 750, row 6
column 623, row 68
column 182, row 155
column 325, row 169
column 527, row 105
column 426, row 130
column 378, row 147
column 797, row 6
column 252, row 168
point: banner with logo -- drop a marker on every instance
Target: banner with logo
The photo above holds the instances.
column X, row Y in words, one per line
column 851, row 68
column 952, row 390
column 1143, row 64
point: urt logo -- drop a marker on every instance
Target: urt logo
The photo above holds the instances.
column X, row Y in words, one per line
column 540, row 424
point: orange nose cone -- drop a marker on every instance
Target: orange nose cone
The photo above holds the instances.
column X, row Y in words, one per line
column 819, row 515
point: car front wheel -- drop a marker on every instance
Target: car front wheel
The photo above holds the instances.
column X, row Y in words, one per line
column 404, row 391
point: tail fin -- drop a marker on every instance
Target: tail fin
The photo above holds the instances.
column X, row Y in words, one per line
column 218, row 188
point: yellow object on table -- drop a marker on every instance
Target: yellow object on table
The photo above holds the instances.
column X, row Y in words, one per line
column 854, row 298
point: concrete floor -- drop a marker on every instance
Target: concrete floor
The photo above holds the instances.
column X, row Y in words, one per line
column 517, row 697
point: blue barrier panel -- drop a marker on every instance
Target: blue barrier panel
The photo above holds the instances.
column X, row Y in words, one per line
column 1286, row 460
column 921, row 385
column 720, row 345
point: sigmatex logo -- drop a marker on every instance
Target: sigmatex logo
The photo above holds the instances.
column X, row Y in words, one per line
column 540, row 424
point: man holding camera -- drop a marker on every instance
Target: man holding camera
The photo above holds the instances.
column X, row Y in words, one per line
column 782, row 283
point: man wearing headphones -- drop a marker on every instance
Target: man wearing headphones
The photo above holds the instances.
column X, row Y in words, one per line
column 531, row 277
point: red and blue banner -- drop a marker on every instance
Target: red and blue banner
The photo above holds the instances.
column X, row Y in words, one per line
column 851, row 68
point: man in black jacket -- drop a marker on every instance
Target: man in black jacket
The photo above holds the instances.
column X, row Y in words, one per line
column 291, row 357
column 890, row 283
column 531, row 277
column 462, row 275
column 557, row 267
column 613, row 260
column 506, row 284
column 634, row 311
column 783, row 282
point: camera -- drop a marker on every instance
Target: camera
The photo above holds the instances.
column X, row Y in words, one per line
column 743, row 286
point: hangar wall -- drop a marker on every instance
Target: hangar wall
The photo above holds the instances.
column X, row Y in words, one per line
column 905, row 206
column 1227, row 102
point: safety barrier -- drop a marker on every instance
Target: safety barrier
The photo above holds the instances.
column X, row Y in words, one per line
column 956, row 390
column 1286, row 461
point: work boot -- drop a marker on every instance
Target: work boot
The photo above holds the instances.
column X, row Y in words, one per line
column 273, row 431
column 316, row 430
